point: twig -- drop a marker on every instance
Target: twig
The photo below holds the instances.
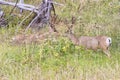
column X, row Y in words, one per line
column 35, row 19
column 23, row 21
column 43, row 12
column 22, row 6
column 56, row 3
column 25, row 18
column 21, row 2
column 13, row 7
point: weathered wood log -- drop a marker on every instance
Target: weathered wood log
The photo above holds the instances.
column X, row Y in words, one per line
column 28, row 7
column 43, row 16
column 43, row 12
column 1, row 13
column 3, row 21
column 21, row 2
column 19, row 5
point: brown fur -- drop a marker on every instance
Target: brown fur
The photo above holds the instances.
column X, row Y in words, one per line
column 94, row 43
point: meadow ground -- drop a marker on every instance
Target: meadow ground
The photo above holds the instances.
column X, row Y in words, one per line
column 57, row 58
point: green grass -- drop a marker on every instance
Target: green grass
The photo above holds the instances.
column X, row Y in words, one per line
column 60, row 59
column 57, row 58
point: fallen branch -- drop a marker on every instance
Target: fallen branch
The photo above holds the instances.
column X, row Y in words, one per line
column 3, row 22
column 43, row 12
column 35, row 19
column 22, row 6
column 43, row 16
column 13, row 7
column 56, row 3
column 21, row 2
column 23, row 21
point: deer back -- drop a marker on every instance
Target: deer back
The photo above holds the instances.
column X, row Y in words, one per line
column 88, row 42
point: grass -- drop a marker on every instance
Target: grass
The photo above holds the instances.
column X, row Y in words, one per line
column 62, row 62
column 57, row 58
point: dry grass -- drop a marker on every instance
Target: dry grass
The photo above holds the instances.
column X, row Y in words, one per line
column 57, row 58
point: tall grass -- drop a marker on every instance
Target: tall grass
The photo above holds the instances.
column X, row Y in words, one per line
column 58, row 58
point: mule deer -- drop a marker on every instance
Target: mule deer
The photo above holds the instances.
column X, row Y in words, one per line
column 88, row 42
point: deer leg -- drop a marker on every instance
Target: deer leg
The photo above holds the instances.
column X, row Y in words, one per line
column 107, row 53
column 105, row 50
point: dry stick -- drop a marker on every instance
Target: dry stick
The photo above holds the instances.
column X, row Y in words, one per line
column 23, row 21
column 21, row 1
column 48, row 12
column 35, row 19
column 22, row 6
column 14, row 7
column 26, row 6
column 25, row 18
column 56, row 3
column 13, row 4
column 50, row 6
column 12, row 10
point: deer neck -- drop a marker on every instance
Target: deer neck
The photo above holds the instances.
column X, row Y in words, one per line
column 73, row 38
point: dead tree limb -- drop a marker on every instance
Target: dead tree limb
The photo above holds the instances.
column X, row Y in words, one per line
column 44, row 15
column 3, row 21
column 43, row 12
column 34, row 20
column 28, row 7
column 21, row 2
column 13, row 7
column 19, row 5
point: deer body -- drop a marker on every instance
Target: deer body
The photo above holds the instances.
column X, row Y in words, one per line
column 88, row 42
column 94, row 43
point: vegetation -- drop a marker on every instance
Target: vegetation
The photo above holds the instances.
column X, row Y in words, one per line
column 57, row 58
